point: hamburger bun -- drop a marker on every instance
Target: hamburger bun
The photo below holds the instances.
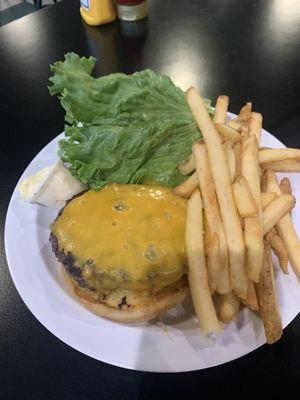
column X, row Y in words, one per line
column 136, row 307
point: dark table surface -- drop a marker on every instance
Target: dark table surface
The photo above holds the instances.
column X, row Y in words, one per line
column 248, row 50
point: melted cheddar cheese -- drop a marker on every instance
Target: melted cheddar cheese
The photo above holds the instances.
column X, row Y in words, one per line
column 125, row 236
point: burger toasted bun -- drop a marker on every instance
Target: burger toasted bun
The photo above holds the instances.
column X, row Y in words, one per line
column 137, row 307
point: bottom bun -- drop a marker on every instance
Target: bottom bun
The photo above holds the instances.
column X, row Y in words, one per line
column 127, row 306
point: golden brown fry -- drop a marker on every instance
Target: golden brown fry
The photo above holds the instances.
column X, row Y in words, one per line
column 276, row 210
column 255, row 125
column 230, row 159
column 228, row 133
column 252, row 234
column 187, row 166
column 286, row 231
column 220, row 114
column 197, row 273
column 285, row 227
column 213, row 261
column 245, row 112
column 187, row 187
column 283, row 166
column 265, row 182
column 232, row 225
column 251, row 300
column 228, row 307
column 237, row 123
column 279, row 249
column 250, row 168
column 266, row 293
column 245, row 133
column 267, row 198
column 266, row 156
column 213, row 218
column 243, row 197
column 237, row 148
column 285, row 186
column 254, row 238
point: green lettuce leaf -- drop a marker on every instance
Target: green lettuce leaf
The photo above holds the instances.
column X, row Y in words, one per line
column 122, row 128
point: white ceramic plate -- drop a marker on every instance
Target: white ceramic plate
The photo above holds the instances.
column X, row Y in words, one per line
column 173, row 345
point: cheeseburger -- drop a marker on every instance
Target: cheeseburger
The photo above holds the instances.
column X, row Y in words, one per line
column 122, row 250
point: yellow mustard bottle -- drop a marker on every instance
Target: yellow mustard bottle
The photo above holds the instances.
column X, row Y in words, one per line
column 97, row 12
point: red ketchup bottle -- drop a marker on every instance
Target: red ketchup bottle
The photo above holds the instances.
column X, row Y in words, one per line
column 132, row 10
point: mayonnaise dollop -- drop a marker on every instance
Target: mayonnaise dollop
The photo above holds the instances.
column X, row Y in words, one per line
column 52, row 186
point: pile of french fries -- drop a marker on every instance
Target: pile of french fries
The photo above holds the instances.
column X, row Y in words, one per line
column 237, row 215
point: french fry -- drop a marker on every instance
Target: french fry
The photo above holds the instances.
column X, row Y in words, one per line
column 237, row 123
column 213, row 218
column 197, row 273
column 245, row 112
column 268, row 180
column 255, row 125
column 285, row 186
column 232, row 225
column 252, row 235
column 286, row 231
column 187, row 187
column 266, row 156
column 220, row 114
column 245, row 133
column 250, row 168
column 187, row 166
column 266, row 293
column 279, row 249
column 283, row 166
column 230, row 159
column 254, row 238
column 228, row 307
column 243, row 197
column 276, row 210
column 267, row 198
column 228, row 133
column 213, row 261
column 237, row 148
column 285, row 227
column 251, row 300
column 273, row 238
